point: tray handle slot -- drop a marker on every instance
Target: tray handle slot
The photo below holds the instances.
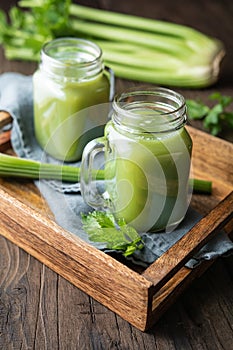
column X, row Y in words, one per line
column 5, row 118
column 5, row 135
column 165, row 267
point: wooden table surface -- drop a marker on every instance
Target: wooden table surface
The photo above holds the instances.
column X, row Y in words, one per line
column 41, row 310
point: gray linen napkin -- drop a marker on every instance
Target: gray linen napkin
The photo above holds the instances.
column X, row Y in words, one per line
column 65, row 200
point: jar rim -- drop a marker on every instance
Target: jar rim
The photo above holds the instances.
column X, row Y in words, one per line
column 155, row 91
column 74, row 42
column 68, row 56
column 164, row 109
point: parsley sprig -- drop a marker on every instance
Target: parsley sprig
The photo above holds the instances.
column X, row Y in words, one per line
column 102, row 227
column 213, row 117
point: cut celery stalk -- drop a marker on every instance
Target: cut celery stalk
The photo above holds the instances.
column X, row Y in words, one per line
column 11, row 166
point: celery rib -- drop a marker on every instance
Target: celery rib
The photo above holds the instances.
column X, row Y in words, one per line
column 156, row 41
column 25, row 168
column 11, row 166
column 131, row 21
column 182, row 80
column 193, row 37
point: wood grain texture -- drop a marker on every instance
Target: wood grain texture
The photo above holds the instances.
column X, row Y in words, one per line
column 5, row 143
column 201, row 319
column 96, row 273
column 41, row 310
column 168, row 282
column 173, row 259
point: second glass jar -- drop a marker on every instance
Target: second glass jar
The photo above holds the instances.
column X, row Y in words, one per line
column 71, row 77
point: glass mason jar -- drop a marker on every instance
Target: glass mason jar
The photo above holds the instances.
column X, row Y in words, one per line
column 71, row 77
column 145, row 162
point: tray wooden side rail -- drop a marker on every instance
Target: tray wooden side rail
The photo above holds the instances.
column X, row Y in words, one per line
column 170, row 266
column 140, row 298
column 178, row 255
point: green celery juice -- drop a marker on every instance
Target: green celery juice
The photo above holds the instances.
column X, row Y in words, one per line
column 149, row 176
column 59, row 127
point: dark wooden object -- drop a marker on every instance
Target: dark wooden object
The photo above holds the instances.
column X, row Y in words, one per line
column 40, row 309
column 132, row 295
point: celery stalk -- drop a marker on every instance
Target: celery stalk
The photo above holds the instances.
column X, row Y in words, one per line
column 135, row 22
column 193, row 38
column 136, row 48
column 11, row 166
column 158, row 52
column 118, row 34
column 182, row 77
column 201, row 186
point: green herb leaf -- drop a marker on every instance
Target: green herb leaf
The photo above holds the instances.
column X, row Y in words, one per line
column 196, row 109
column 223, row 100
column 215, row 117
column 102, row 227
column 228, row 117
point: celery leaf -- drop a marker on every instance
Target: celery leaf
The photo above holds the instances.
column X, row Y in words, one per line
column 102, row 227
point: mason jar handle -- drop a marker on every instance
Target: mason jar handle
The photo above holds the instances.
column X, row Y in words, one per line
column 92, row 179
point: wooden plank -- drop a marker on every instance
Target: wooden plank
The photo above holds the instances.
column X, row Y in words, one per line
column 212, row 158
column 99, row 275
column 168, row 294
column 172, row 260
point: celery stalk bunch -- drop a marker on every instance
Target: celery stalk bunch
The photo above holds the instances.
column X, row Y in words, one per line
column 136, row 48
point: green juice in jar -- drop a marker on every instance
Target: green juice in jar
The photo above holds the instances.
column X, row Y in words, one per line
column 149, row 177
column 71, row 78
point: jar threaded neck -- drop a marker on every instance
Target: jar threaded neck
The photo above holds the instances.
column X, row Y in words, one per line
column 71, row 59
column 149, row 110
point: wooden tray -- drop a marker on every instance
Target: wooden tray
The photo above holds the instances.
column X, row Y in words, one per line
column 140, row 296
